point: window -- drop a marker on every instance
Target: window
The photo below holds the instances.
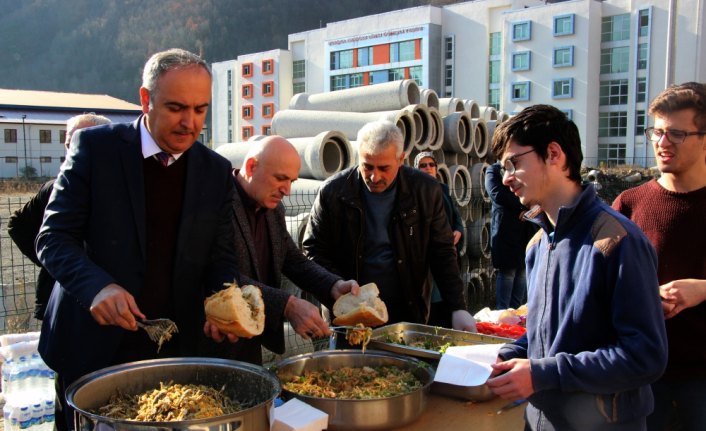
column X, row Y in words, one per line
column 268, row 110
column 520, row 91
column 521, row 61
column 416, row 74
column 495, row 43
column 395, row 74
column 521, row 31
column 268, row 67
column 247, row 132
column 611, row 153
column 339, row 82
column 640, row 122
column 563, row 88
column 298, row 87
column 494, row 72
column 45, row 136
column 642, row 56
column 268, row 88
column 342, row 59
column 365, row 56
column 247, row 112
column 449, row 47
column 62, row 135
column 298, row 69
column 494, row 98
column 10, row 136
column 563, row 25
column 449, row 75
column 615, row 28
column 611, row 124
column 355, row 80
column 230, row 78
column 247, row 91
column 613, row 92
column 246, row 70
column 615, row 60
column 10, row 159
column 407, row 52
column 44, row 159
column 643, row 22
column 230, row 136
column 563, row 56
column 267, row 130
column 641, row 89
column 230, row 117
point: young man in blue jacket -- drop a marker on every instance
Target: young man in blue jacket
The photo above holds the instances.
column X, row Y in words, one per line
column 595, row 333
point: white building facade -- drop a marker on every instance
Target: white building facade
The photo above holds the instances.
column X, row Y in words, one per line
column 601, row 62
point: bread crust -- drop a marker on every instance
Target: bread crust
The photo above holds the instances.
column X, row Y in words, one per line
column 238, row 311
column 366, row 308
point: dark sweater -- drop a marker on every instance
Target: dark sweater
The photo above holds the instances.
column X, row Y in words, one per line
column 674, row 223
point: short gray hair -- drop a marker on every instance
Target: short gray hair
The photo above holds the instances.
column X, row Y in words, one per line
column 375, row 137
column 167, row 60
column 90, row 118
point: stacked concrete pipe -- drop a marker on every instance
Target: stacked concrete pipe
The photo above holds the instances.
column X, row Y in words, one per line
column 429, row 97
column 472, row 107
column 371, row 98
column 457, row 133
column 448, row 105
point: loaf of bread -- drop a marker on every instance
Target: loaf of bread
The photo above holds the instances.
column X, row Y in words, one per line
column 238, row 311
column 365, row 308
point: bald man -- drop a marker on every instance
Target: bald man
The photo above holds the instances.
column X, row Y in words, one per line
column 266, row 250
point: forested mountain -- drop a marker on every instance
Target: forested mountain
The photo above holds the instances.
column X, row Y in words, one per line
column 100, row 46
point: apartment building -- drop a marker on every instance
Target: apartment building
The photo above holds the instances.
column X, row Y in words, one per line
column 601, row 62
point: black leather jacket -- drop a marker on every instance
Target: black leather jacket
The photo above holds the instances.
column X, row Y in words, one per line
column 419, row 230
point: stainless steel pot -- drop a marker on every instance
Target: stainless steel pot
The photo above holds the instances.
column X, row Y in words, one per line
column 376, row 414
column 250, row 384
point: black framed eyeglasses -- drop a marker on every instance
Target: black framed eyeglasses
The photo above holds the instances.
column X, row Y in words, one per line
column 508, row 166
column 424, row 165
column 674, row 136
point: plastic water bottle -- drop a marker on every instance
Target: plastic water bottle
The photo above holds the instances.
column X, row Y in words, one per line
column 49, row 416
column 6, row 372
column 25, row 419
column 37, row 416
column 9, row 415
column 34, row 365
column 46, row 381
column 22, row 381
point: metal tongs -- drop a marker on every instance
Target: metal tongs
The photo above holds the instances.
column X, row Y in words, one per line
column 335, row 330
column 159, row 330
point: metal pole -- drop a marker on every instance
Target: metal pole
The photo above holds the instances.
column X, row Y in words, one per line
column 24, row 140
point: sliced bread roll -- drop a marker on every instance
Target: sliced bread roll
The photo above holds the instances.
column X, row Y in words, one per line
column 236, row 310
column 365, row 308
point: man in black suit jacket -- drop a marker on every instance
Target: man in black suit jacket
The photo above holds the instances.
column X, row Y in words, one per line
column 138, row 226
column 266, row 251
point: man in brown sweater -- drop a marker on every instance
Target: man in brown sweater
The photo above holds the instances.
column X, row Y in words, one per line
column 671, row 211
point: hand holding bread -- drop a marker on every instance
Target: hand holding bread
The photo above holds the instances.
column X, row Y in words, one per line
column 237, row 311
column 366, row 308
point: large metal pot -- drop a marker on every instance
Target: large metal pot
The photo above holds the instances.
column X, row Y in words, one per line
column 246, row 383
column 375, row 414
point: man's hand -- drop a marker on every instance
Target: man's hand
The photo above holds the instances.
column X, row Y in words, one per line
column 457, row 236
column 305, row 318
column 462, row 320
column 678, row 295
column 341, row 287
column 212, row 331
column 114, row 305
column 515, row 382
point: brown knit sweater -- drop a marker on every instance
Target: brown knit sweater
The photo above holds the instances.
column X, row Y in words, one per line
column 675, row 224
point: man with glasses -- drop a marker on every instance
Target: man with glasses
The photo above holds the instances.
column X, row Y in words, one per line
column 595, row 337
column 671, row 211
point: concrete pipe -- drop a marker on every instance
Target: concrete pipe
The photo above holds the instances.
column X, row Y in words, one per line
column 436, row 129
column 503, row 116
column 488, row 113
column 480, row 138
column 465, row 267
column 448, row 105
column 301, row 197
column 443, row 174
column 457, row 132
column 409, row 159
column 299, row 124
column 462, row 159
column 478, row 238
column 476, row 210
column 475, row 287
column 323, row 155
column 422, row 126
column 472, row 107
column 296, row 225
column 460, row 184
column 462, row 246
column 370, row 98
column 440, row 157
column 478, row 178
column 450, row 157
column 428, row 97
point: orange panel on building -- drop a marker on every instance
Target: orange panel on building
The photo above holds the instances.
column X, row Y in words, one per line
column 366, row 78
column 418, row 49
column 406, row 73
column 355, row 57
column 381, row 53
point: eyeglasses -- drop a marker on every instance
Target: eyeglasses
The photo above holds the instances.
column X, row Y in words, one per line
column 509, row 163
column 676, row 137
column 424, row 165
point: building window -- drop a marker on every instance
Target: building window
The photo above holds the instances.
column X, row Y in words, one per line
column 246, row 70
column 247, row 132
column 298, row 87
column 247, row 112
column 521, row 61
column 563, row 25
column 62, row 135
column 342, row 59
column 449, row 75
column 611, row 153
column 268, row 110
column 415, row 73
column 10, row 136
column 365, row 56
column 395, row 74
column 641, row 89
column 355, row 80
column 230, row 78
column 339, row 82
column 449, row 47
column 642, row 56
column 230, row 97
column 44, row 159
column 268, row 67
column 298, row 69
column 640, row 122
column 230, row 136
column 10, row 159
column 407, row 51
column 45, row 136
column 616, row 27
column 563, row 88
column 230, row 117
column 495, row 43
column 267, row 130
column 268, row 88
column 563, row 56
column 613, row 92
column 643, row 22
column 247, row 91
column 520, row 91
column 569, row 113
column 615, row 60
column 494, row 98
column 612, row 124
column 521, row 31
column 494, row 72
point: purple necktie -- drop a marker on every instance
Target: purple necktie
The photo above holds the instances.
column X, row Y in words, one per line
column 163, row 158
